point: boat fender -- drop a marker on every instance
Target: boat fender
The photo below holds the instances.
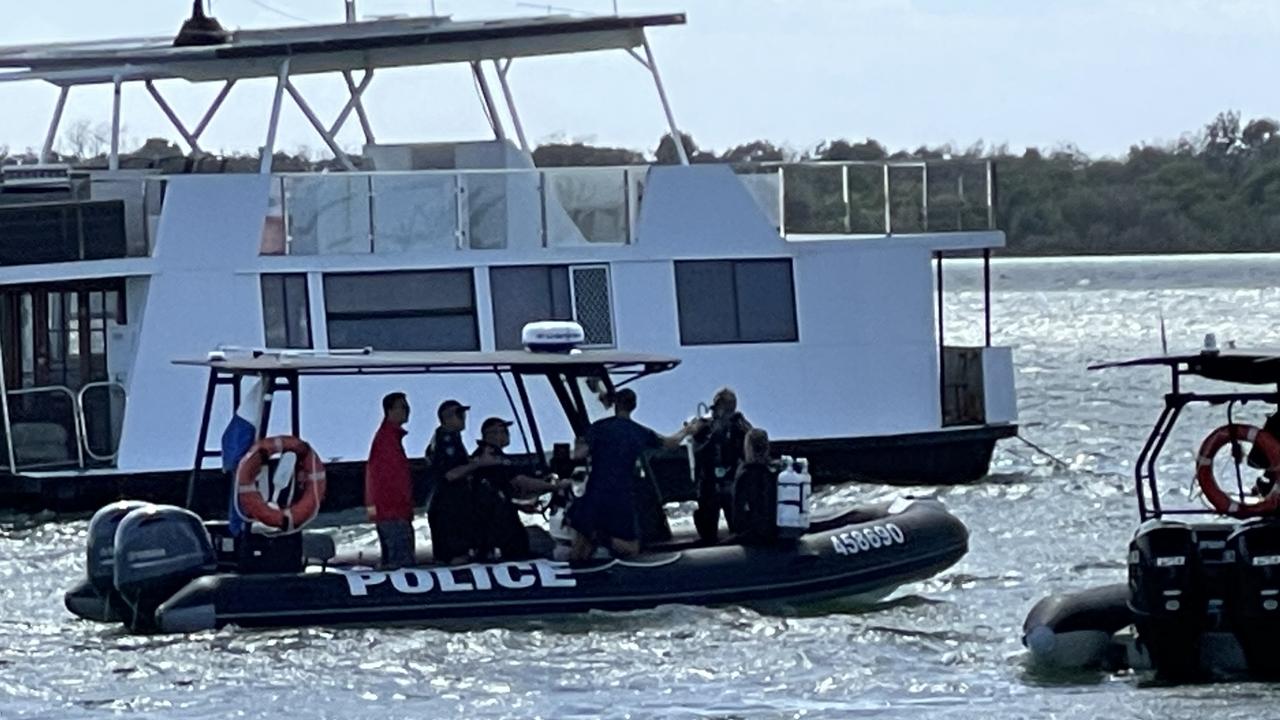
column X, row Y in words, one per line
column 794, row 488
column 308, row 484
column 1217, row 497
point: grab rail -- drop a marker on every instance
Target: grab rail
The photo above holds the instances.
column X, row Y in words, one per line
column 75, row 422
column 874, row 196
column 84, row 427
column 78, row 426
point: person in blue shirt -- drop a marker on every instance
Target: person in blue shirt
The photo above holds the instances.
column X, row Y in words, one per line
column 605, row 515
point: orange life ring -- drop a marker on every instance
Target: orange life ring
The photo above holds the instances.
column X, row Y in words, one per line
column 1219, row 499
column 309, row 480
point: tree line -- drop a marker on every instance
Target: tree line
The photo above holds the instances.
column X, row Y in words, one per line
column 1213, row 190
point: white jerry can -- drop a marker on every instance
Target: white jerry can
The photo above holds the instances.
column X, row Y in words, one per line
column 794, row 487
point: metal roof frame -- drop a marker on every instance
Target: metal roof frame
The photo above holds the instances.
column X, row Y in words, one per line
column 367, row 362
column 342, row 48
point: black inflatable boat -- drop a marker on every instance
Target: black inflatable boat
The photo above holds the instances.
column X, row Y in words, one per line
column 164, row 568
column 161, row 574
column 1202, row 600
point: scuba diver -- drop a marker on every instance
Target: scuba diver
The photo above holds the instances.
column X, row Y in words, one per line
column 718, row 441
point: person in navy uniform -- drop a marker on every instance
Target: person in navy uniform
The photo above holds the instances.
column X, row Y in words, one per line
column 450, row 503
column 606, row 513
column 720, row 440
column 496, row 482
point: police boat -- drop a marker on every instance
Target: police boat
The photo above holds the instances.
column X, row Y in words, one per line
column 160, row 568
column 1202, row 600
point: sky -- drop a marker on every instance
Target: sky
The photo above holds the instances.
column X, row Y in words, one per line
column 1099, row 74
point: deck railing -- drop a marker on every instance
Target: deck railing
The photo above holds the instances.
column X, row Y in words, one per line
column 874, row 197
column 49, row 427
column 391, row 212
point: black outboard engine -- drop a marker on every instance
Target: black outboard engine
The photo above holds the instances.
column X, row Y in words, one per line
column 95, row 597
column 158, row 550
column 1167, row 597
column 1253, row 602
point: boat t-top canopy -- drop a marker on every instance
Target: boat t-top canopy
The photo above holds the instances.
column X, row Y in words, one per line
column 368, row 45
column 370, row 362
column 1245, row 367
column 1249, row 367
column 572, row 376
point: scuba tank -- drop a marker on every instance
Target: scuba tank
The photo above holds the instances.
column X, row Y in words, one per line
column 794, row 488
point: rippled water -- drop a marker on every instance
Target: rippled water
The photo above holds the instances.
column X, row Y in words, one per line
column 945, row 648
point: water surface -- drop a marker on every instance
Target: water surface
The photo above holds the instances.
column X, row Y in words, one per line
column 944, row 648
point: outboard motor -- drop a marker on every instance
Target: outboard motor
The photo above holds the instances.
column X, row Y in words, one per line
column 95, row 597
column 1253, row 601
column 158, row 550
column 1167, row 597
column 794, row 488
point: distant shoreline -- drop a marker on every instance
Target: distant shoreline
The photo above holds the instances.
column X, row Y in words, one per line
column 1015, row 258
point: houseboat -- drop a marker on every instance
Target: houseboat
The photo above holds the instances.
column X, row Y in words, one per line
column 812, row 289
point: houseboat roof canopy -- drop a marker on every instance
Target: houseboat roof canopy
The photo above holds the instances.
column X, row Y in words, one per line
column 1251, row 367
column 519, row 362
column 365, row 45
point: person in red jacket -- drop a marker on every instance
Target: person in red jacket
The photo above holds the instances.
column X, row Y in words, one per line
column 388, row 488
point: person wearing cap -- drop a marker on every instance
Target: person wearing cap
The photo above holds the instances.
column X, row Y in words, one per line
column 606, row 514
column 449, row 504
column 388, row 488
column 495, row 484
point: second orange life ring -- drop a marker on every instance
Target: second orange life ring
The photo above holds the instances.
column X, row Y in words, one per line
column 1217, row 497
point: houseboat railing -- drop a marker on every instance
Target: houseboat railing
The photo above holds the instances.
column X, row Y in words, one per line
column 874, row 196
column 481, row 209
column 45, row 417
column 44, row 420
column 385, row 212
column 115, row 413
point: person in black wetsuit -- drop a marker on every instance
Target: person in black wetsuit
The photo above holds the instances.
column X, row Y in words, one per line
column 449, row 468
column 719, row 440
column 495, row 483
column 755, row 492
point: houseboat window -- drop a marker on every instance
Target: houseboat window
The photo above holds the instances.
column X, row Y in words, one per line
column 420, row 310
column 57, row 334
column 285, row 311
column 735, row 301
column 526, row 294
column 551, row 292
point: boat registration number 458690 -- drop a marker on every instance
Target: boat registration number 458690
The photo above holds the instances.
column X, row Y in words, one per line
column 866, row 539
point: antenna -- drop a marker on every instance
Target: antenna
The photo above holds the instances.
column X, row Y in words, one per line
column 200, row 29
column 1164, row 340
